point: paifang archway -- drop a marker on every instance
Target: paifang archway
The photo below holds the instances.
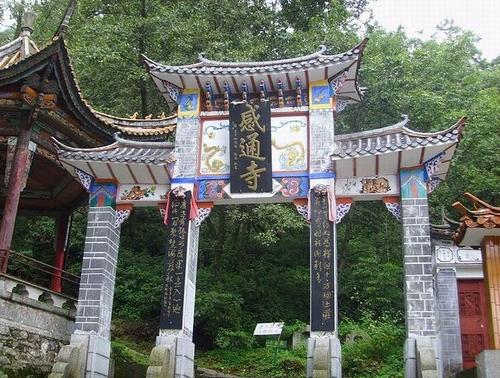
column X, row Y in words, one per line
column 257, row 132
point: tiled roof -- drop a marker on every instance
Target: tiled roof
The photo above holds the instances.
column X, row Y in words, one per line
column 121, row 151
column 392, row 138
column 484, row 216
column 140, row 127
column 81, row 109
column 17, row 50
column 211, row 67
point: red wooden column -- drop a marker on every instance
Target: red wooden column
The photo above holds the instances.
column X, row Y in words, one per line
column 19, row 166
column 62, row 228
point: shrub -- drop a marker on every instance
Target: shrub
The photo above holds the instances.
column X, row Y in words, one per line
column 227, row 339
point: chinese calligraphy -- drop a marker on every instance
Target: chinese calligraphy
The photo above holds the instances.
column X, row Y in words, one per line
column 251, row 168
column 175, row 262
column 322, row 265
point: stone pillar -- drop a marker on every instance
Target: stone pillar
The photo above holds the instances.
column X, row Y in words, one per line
column 173, row 355
column 89, row 351
column 448, row 320
column 324, row 350
column 490, row 249
column 420, row 301
column 62, row 229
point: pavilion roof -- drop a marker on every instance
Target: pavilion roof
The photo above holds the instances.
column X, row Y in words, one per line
column 307, row 68
column 15, row 51
column 67, row 87
column 127, row 161
column 483, row 220
column 386, row 150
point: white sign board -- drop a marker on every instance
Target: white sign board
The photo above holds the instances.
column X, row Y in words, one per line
column 268, row 329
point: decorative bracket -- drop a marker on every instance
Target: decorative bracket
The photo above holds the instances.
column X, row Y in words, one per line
column 431, row 166
column 122, row 214
column 341, row 105
column 173, row 90
column 338, row 82
column 392, row 204
column 433, row 184
column 84, row 178
column 342, row 208
column 203, row 213
column 302, row 207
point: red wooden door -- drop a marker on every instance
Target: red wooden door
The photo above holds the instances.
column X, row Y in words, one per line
column 473, row 319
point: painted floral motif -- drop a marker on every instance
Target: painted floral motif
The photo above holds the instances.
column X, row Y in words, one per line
column 375, row 185
column 137, row 193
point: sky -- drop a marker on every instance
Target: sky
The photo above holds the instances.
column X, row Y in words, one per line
column 480, row 16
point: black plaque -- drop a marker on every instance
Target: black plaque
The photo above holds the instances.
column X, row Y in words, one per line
column 172, row 304
column 322, row 265
column 250, row 147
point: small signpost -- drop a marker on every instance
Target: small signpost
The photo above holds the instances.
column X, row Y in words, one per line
column 270, row 330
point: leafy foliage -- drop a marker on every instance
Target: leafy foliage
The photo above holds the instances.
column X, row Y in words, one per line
column 254, row 261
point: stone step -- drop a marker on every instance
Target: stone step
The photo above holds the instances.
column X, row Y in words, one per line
column 210, row 373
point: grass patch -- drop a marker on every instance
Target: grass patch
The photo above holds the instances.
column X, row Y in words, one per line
column 124, row 352
column 255, row 362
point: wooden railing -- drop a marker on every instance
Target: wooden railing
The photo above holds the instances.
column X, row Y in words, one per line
column 42, row 274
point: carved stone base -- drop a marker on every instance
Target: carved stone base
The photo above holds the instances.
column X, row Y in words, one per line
column 87, row 355
column 172, row 357
column 488, row 364
column 324, row 357
column 421, row 358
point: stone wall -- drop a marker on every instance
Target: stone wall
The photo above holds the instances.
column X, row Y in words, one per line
column 31, row 335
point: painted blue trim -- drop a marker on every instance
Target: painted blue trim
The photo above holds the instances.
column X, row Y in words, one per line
column 275, row 175
column 290, row 174
column 182, row 180
column 321, row 175
column 218, row 177
column 434, row 157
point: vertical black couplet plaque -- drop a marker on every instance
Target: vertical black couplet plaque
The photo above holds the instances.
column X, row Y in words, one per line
column 322, row 265
column 172, row 304
column 250, row 147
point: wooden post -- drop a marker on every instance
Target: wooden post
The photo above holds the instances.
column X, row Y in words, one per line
column 490, row 248
column 62, row 229
column 20, row 165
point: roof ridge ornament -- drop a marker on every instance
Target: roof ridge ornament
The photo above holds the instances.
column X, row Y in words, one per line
column 202, row 58
column 322, row 49
column 27, row 23
column 68, row 13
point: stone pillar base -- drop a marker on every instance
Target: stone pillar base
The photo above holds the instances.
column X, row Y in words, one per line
column 488, row 364
column 173, row 357
column 87, row 355
column 421, row 358
column 324, row 357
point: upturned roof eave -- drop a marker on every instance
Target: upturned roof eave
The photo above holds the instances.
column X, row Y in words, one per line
column 399, row 127
column 96, row 122
column 209, row 65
